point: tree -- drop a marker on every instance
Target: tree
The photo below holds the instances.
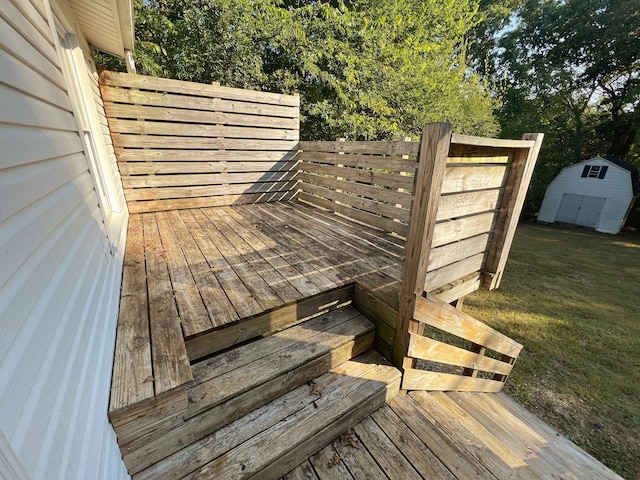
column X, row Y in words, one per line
column 364, row 69
column 569, row 68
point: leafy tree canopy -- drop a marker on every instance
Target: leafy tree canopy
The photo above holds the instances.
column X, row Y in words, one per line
column 365, row 69
column 569, row 68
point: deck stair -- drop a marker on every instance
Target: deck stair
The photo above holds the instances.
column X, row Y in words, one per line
column 262, row 408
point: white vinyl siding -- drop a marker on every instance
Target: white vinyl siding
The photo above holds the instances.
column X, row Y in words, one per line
column 615, row 187
column 59, row 283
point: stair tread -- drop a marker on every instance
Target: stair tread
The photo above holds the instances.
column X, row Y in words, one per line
column 234, row 383
column 286, row 428
column 229, row 374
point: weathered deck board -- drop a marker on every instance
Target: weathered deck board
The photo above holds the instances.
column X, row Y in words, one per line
column 452, row 436
column 170, row 362
column 132, row 368
column 213, row 268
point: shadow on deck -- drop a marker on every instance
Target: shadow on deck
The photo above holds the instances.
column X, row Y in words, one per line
column 252, row 338
column 200, row 281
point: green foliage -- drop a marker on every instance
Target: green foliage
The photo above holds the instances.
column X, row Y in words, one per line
column 365, row 69
column 570, row 69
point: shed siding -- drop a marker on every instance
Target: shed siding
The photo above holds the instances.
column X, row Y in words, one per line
column 59, row 283
column 615, row 187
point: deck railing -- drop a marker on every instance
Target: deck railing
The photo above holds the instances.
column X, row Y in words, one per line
column 456, row 199
column 452, row 201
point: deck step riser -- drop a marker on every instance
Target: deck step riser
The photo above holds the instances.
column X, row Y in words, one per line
column 335, row 428
column 267, row 322
column 270, row 440
column 295, row 355
column 161, row 414
column 239, row 381
column 147, row 450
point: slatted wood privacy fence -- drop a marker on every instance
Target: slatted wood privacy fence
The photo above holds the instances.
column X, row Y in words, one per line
column 468, row 198
column 370, row 182
column 186, row 145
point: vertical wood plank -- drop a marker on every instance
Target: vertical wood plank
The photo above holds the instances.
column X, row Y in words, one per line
column 170, row 361
column 517, row 185
column 432, row 161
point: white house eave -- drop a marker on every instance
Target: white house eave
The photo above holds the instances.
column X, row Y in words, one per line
column 106, row 24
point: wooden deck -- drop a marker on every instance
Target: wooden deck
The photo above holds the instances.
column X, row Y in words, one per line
column 198, row 281
column 264, row 256
column 451, row 436
column 245, row 332
column 218, row 276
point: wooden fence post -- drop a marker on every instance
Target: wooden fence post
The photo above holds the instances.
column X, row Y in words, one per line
column 432, row 159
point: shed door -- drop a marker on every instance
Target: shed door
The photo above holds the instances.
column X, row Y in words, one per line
column 581, row 210
column 589, row 212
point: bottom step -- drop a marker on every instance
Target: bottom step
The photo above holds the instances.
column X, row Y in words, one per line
column 273, row 439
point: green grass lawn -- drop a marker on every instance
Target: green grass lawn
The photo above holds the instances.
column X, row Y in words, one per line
column 572, row 298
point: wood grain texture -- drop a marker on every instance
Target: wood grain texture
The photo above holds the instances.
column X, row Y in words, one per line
column 192, row 131
column 132, row 379
column 370, row 182
column 519, row 177
column 431, row 168
column 170, row 362
column 443, row 316
column 142, row 82
column 397, row 147
column 429, row 349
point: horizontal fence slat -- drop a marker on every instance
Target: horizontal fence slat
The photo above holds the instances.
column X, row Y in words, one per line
column 461, row 228
column 459, row 154
column 186, row 179
column 464, row 286
column 358, row 215
column 414, row 379
column 474, row 177
column 369, row 191
column 134, row 194
column 371, row 206
column 191, row 88
column 457, row 251
column 391, row 163
column 425, row 348
column 457, row 138
column 360, row 175
column 468, row 203
column 116, row 110
column 162, row 99
column 178, row 142
column 443, row 316
column 193, row 143
column 182, row 203
column 442, row 276
column 152, row 168
column 211, row 156
column 397, row 147
column 144, row 127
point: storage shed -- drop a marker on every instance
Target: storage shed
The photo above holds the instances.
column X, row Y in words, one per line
column 596, row 193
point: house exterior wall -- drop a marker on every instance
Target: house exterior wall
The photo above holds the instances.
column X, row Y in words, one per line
column 60, row 265
column 615, row 187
